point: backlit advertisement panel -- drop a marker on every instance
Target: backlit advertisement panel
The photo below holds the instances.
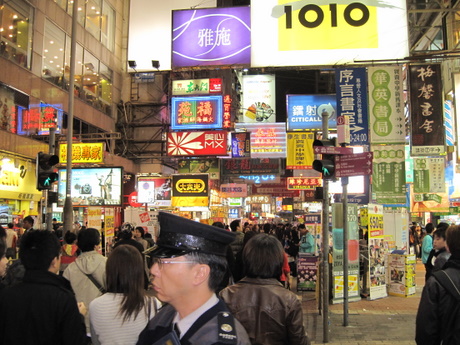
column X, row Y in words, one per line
column 304, row 112
column 211, row 36
column 154, row 191
column 190, row 190
column 268, row 140
column 209, row 143
column 327, row 33
column 196, row 86
column 92, row 186
column 196, row 112
column 259, row 99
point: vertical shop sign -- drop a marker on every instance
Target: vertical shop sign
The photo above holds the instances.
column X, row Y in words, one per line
column 259, row 99
column 241, row 145
column 429, row 175
column 377, row 252
column 427, row 133
column 386, row 105
column 94, row 217
column 227, row 115
column 299, row 150
column 389, row 176
column 351, row 86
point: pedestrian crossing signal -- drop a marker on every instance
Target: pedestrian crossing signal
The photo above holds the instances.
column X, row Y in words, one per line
column 46, row 175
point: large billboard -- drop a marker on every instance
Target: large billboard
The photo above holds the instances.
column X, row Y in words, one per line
column 196, row 112
column 92, row 186
column 211, row 36
column 327, row 33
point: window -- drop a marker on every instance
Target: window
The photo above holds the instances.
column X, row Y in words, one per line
column 16, row 32
column 78, row 73
column 93, row 17
column 105, row 90
column 53, row 53
column 108, row 26
column 81, row 11
column 90, row 78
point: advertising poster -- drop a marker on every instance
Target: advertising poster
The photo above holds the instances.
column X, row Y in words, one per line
column 429, row 175
column 209, row 143
column 327, row 33
column 8, row 115
column 351, row 86
column 211, row 36
column 155, row 191
column 94, row 217
column 268, row 140
column 92, row 186
column 299, row 150
column 307, row 270
column 426, row 108
column 377, row 251
column 386, row 105
column 241, row 145
column 197, row 112
column 259, row 99
column 109, row 228
column 389, row 175
column 190, row 190
column 402, row 275
column 305, row 112
column 200, row 166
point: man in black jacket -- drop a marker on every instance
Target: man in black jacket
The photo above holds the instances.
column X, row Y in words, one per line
column 42, row 308
column 438, row 316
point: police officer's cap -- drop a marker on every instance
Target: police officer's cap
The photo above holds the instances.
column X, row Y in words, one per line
column 180, row 236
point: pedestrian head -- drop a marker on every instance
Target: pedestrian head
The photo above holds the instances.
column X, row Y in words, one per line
column 70, row 237
column 88, row 239
column 39, row 249
column 235, row 225
column 140, row 230
column 453, row 240
column 263, row 257
column 429, row 228
column 28, row 222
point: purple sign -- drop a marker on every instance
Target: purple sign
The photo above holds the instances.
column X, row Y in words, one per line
column 211, row 36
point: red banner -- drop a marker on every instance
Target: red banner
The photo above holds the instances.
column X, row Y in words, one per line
column 209, row 143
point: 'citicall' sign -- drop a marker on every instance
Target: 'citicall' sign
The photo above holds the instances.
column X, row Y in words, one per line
column 327, row 32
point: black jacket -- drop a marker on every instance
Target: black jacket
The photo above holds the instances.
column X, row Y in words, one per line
column 435, row 306
column 40, row 310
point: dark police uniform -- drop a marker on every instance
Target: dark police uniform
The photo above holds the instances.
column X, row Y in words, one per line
column 215, row 326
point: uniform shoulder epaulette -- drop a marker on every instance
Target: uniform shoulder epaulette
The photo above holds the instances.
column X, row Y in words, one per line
column 226, row 328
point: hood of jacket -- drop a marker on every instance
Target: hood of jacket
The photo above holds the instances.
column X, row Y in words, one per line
column 90, row 262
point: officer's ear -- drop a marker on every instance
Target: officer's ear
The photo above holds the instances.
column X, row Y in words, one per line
column 201, row 272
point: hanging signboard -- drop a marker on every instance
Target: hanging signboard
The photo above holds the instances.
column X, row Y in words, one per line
column 351, row 86
column 196, row 112
column 190, row 190
column 427, row 124
column 196, row 86
column 303, row 183
column 268, row 140
column 386, row 105
column 209, row 143
column 429, row 175
column 83, row 153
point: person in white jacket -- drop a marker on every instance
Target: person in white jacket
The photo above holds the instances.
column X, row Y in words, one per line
column 90, row 262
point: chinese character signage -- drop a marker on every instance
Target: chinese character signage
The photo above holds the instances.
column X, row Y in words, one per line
column 200, row 166
column 233, row 190
column 299, row 150
column 227, row 112
column 196, row 86
column 211, row 37
column 386, row 105
column 429, row 175
column 268, row 140
column 389, row 176
column 259, row 98
column 304, row 112
column 311, row 33
column 209, row 143
column 303, row 183
column 155, row 191
column 351, row 86
column 427, row 132
column 250, row 166
column 241, row 145
column 83, row 153
column 190, row 190
column 196, row 112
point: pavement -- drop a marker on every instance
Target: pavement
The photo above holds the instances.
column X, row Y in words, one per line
column 385, row 321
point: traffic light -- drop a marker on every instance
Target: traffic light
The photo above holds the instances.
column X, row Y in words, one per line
column 45, row 170
column 325, row 165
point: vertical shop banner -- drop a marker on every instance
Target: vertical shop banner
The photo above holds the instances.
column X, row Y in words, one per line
column 338, row 219
column 351, row 86
column 94, row 217
column 429, row 175
column 190, row 190
column 259, row 99
column 307, row 272
column 211, row 36
column 389, row 176
column 386, row 105
column 299, row 150
column 241, row 145
column 377, row 252
column 426, row 108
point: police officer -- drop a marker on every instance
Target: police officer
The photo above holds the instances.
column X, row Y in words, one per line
column 188, row 265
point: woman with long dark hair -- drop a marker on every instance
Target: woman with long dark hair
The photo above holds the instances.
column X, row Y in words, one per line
column 118, row 316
